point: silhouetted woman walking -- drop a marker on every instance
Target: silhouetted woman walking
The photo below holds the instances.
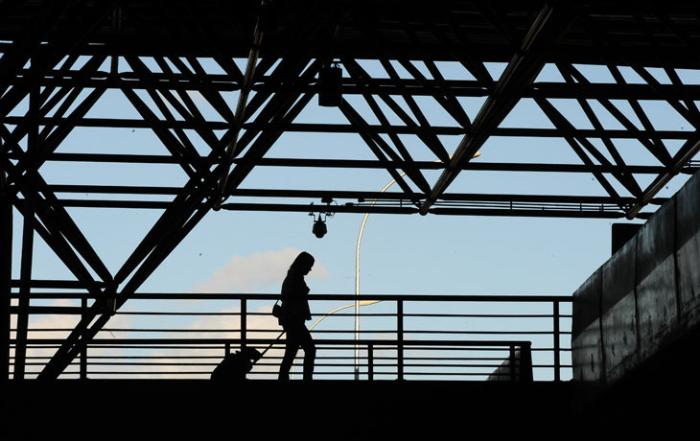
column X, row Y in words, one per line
column 295, row 311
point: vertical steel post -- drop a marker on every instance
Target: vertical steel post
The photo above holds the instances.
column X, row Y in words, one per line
column 557, row 332
column 24, row 293
column 27, row 237
column 399, row 338
column 511, row 356
column 5, row 278
column 244, row 323
column 83, row 353
column 370, row 362
column 526, row 374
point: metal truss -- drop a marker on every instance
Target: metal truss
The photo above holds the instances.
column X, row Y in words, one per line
column 61, row 58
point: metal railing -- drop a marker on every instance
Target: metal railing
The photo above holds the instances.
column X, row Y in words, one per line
column 403, row 337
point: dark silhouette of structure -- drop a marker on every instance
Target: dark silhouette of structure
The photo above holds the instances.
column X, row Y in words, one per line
column 517, row 367
column 60, row 58
column 295, row 311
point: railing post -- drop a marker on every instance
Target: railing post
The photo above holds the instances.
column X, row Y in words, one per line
column 557, row 355
column 244, row 323
column 512, row 362
column 526, row 374
column 399, row 338
column 227, row 348
column 370, row 362
column 83, row 353
column 24, row 292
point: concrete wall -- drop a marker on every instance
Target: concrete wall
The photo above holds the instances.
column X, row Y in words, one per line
column 586, row 342
column 644, row 297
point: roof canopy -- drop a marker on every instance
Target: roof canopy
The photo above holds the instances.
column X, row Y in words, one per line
column 219, row 83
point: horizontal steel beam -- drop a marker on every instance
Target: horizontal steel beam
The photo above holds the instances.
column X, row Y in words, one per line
column 347, row 128
column 349, row 86
column 487, row 51
column 474, row 166
column 51, row 310
column 224, row 83
column 535, row 298
column 462, row 208
column 371, row 164
column 609, row 213
column 57, row 284
column 340, row 194
column 319, row 342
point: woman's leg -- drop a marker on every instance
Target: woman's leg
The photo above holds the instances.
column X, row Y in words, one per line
column 307, row 344
column 290, row 351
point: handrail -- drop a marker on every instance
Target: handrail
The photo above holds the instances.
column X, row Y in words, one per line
column 407, row 336
column 256, row 296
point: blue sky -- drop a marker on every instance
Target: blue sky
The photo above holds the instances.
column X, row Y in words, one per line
column 400, row 254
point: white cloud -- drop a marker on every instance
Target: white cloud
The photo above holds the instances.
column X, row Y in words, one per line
column 240, row 274
column 174, row 360
column 46, row 327
column 247, row 273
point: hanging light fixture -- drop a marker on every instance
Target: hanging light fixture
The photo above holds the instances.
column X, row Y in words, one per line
column 320, row 229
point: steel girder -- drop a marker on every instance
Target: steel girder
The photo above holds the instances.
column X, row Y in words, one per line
column 152, row 56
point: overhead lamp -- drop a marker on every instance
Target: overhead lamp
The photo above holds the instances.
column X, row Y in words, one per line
column 319, row 228
column 330, row 81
